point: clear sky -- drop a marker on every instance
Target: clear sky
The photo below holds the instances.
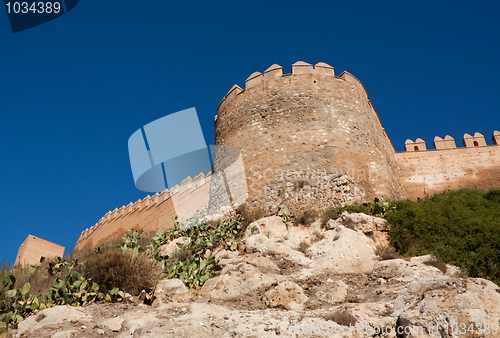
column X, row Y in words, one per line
column 73, row 90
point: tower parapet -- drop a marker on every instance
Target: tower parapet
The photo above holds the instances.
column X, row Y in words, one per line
column 418, row 145
column 474, row 141
column 496, row 138
column 447, row 143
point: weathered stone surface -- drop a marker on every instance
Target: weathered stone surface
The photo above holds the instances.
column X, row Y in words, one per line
column 113, row 324
column 51, row 316
column 170, row 290
column 238, row 280
column 269, row 293
column 342, row 251
column 64, row 334
column 437, row 303
column 389, row 268
column 339, row 292
column 331, row 224
column 362, row 222
column 270, row 227
column 139, row 322
column 297, row 234
column 413, row 270
column 264, row 245
column 375, row 228
column 287, row 294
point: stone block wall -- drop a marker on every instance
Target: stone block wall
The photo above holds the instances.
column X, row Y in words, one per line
column 35, row 250
column 447, row 167
column 311, row 126
column 151, row 213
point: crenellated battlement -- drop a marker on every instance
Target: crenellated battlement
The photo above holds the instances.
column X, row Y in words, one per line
column 299, row 68
column 448, row 142
column 188, row 186
column 424, row 172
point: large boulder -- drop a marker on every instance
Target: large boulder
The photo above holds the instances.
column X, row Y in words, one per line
column 343, row 251
column 413, row 270
column 267, row 246
column 112, row 324
column 448, row 307
column 270, row 227
column 170, row 290
column 238, row 280
column 362, row 222
column 51, row 316
column 374, row 227
column 171, row 248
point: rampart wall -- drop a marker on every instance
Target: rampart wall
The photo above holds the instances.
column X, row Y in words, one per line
column 446, row 167
column 151, row 213
column 314, row 140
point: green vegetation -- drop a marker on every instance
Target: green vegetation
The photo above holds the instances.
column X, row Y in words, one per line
column 377, row 207
column 72, row 289
column 193, row 263
column 117, row 270
column 459, row 227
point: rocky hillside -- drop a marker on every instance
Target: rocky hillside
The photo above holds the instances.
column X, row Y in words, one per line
column 298, row 281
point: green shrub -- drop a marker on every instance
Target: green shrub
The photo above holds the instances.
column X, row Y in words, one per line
column 193, row 263
column 461, row 227
column 73, row 289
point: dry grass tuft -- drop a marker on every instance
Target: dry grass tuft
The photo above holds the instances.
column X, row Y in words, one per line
column 248, row 214
column 386, row 252
column 130, row 272
column 307, row 217
column 343, row 318
column 437, row 263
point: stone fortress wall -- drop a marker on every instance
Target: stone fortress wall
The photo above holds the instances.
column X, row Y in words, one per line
column 149, row 214
column 307, row 123
column 425, row 172
column 299, row 134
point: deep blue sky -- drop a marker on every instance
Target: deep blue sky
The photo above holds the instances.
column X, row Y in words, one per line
column 72, row 91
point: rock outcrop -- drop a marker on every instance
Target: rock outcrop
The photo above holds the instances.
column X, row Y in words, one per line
column 298, row 281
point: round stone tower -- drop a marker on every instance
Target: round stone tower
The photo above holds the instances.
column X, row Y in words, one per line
column 309, row 139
